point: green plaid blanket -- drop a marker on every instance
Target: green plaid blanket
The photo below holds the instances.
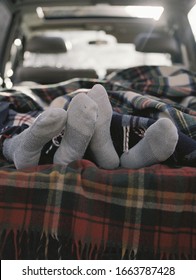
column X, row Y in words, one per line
column 83, row 212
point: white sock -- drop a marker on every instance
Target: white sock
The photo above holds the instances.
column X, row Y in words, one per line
column 25, row 148
column 101, row 143
column 158, row 145
column 80, row 126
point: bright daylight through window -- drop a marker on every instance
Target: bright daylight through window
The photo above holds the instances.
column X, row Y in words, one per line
column 192, row 19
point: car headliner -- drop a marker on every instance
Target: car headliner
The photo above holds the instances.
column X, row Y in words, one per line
column 183, row 4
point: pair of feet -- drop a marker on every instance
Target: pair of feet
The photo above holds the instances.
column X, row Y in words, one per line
column 86, row 122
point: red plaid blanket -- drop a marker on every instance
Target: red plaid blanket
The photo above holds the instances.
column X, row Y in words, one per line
column 85, row 212
column 53, row 212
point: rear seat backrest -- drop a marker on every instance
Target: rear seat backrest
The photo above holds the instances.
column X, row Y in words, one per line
column 51, row 75
column 44, row 60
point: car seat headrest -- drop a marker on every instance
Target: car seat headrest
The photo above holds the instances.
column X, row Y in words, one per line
column 156, row 43
column 44, row 44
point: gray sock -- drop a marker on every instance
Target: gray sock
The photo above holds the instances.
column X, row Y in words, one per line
column 158, row 145
column 81, row 118
column 101, row 143
column 24, row 149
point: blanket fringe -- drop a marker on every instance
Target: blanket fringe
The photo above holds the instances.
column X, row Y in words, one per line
column 33, row 245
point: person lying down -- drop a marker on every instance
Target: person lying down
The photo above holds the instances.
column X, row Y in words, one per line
column 89, row 126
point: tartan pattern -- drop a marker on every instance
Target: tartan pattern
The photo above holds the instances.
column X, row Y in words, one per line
column 85, row 212
column 19, row 101
column 140, row 91
column 132, row 211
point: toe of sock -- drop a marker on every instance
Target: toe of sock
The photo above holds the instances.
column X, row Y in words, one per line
column 162, row 138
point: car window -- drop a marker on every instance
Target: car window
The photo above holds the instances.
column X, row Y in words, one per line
column 192, row 19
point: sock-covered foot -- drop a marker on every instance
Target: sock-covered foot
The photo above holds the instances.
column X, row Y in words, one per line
column 101, row 143
column 158, row 144
column 25, row 148
column 81, row 118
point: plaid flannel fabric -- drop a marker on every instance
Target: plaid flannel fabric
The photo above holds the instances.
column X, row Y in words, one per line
column 102, row 214
column 84, row 212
